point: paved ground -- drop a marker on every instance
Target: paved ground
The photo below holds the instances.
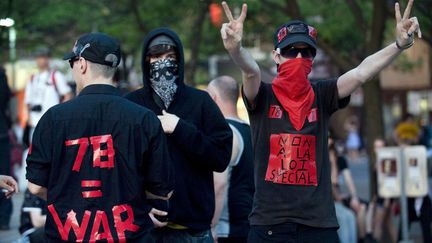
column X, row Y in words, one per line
column 13, row 234
column 358, row 169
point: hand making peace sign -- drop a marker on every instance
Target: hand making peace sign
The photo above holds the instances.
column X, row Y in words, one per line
column 406, row 26
column 232, row 32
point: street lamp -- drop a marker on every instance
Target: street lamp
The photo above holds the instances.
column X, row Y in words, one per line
column 9, row 23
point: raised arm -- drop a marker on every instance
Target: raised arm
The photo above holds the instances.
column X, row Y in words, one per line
column 232, row 34
column 373, row 64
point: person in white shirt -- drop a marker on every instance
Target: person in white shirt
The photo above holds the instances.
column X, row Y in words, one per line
column 45, row 89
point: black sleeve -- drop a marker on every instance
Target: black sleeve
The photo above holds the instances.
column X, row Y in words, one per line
column 329, row 96
column 251, row 107
column 40, row 152
column 5, row 92
column 159, row 174
column 341, row 163
column 213, row 143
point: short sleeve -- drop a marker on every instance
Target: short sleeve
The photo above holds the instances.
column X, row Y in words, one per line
column 252, row 106
column 62, row 86
column 40, row 152
column 329, row 97
column 342, row 163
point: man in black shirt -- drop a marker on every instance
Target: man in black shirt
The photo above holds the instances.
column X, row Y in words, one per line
column 99, row 159
column 199, row 139
column 234, row 187
column 289, row 123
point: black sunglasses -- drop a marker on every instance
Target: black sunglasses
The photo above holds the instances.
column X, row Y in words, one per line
column 292, row 52
column 72, row 61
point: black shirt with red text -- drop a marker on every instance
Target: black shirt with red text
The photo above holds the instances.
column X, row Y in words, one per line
column 97, row 155
column 292, row 169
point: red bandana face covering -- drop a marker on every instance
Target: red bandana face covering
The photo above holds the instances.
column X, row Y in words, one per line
column 293, row 90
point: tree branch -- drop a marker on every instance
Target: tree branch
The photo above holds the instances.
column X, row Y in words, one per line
column 271, row 5
column 345, row 64
column 196, row 37
column 133, row 5
column 379, row 17
column 357, row 12
column 293, row 9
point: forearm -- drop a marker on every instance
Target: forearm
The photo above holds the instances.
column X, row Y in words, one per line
column 220, row 187
column 38, row 190
column 376, row 62
column 37, row 219
column 150, row 195
column 367, row 69
column 250, row 71
column 350, row 183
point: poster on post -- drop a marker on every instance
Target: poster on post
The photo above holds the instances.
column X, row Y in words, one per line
column 416, row 171
column 389, row 171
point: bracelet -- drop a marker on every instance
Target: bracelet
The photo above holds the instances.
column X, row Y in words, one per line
column 406, row 46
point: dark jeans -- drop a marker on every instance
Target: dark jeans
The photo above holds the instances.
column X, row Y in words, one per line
column 291, row 233
column 167, row 235
column 5, row 204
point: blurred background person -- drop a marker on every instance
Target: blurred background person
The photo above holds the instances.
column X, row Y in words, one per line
column 32, row 219
column 350, row 199
column 234, row 188
column 407, row 133
column 46, row 88
column 383, row 228
column 353, row 140
column 347, row 231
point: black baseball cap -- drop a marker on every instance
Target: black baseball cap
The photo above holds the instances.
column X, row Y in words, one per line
column 295, row 31
column 98, row 48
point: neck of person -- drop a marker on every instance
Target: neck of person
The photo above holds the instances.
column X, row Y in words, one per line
column 44, row 69
column 97, row 80
column 229, row 111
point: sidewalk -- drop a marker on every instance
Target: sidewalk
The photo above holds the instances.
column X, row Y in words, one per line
column 8, row 236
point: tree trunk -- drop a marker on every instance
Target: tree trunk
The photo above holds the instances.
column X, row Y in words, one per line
column 195, row 42
column 374, row 124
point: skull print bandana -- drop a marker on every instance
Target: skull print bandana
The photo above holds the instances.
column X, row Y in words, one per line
column 163, row 75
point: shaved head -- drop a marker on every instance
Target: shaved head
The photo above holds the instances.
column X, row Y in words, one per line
column 226, row 87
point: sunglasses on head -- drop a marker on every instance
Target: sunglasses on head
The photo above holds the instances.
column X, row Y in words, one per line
column 292, row 52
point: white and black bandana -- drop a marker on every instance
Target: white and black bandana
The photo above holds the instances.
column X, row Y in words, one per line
column 163, row 75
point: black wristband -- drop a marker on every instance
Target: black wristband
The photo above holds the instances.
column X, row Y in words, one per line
column 404, row 47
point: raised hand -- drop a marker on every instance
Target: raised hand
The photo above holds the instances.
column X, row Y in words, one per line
column 406, row 26
column 232, row 32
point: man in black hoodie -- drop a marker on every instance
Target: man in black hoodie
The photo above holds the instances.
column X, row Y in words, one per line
column 199, row 139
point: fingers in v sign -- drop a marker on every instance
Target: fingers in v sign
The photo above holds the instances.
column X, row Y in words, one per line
column 405, row 24
column 232, row 32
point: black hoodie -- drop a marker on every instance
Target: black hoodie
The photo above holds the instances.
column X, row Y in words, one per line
column 200, row 144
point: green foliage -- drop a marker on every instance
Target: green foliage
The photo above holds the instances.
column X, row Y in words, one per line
column 58, row 23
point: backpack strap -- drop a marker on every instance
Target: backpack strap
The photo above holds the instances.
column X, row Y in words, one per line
column 54, row 82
